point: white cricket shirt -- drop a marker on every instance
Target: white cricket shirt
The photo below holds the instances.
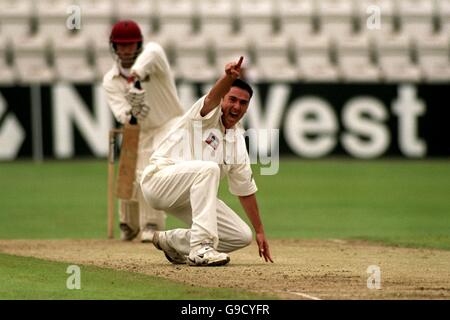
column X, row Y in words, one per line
column 161, row 96
column 195, row 137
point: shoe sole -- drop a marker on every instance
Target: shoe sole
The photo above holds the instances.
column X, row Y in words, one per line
column 155, row 242
column 208, row 263
column 129, row 237
column 173, row 261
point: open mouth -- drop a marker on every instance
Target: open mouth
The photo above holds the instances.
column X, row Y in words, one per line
column 234, row 115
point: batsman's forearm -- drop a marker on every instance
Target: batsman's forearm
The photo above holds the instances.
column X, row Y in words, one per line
column 216, row 94
column 118, row 104
column 250, row 206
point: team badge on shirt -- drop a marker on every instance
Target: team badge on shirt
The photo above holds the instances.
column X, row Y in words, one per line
column 213, row 141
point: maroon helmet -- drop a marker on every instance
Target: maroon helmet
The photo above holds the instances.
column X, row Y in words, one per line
column 124, row 32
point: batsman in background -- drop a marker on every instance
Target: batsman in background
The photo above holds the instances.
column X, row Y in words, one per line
column 155, row 106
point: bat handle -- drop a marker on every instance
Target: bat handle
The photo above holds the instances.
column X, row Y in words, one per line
column 137, row 85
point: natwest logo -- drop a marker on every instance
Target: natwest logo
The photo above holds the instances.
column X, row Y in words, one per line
column 12, row 134
column 312, row 130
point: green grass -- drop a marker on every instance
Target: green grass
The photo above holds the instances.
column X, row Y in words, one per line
column 31, row 278
column 397, row 202
column 53, row 200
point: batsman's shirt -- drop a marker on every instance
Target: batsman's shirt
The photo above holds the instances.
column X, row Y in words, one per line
column 195, row 137
column 161, row 96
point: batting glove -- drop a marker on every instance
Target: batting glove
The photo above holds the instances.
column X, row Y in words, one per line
column 140, row 111
column 134, row 96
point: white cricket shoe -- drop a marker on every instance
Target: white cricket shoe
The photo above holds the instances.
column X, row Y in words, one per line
column 207, row 256
column 148, row 232
column 126, row 233
column 160, row 242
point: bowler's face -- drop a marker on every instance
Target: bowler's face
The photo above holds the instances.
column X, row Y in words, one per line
column 234, row 106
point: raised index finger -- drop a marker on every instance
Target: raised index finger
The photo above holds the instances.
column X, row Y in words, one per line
column 240, row 61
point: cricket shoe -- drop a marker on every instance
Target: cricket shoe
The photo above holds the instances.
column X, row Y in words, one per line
column 160, row 242
column 207, row 256
column 148, row 233
column 126, row 233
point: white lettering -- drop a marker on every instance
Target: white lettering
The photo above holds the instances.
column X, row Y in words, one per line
column 12, row 135
column 193, row 310
column 374, row 20
column 73, row 21
column 377, row 135
column 310, row 127
column 408, row 108
column 374, row 280
column 74, row 280
column 276, row 101
column 69, row 110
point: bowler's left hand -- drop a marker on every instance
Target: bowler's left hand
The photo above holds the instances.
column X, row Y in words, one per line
column 263, row 247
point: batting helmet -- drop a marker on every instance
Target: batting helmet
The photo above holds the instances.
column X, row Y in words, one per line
column 125, row 31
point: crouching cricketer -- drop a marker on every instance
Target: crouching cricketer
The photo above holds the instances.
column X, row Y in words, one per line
column 184, row 174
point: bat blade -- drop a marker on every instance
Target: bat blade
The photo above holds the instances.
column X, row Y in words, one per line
column 127, row 161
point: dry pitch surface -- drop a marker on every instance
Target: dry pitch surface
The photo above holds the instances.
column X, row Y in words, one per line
column 303, row 269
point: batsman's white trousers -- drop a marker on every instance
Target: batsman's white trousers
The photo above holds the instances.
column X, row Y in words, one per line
column 136, row 212
column 188, row 190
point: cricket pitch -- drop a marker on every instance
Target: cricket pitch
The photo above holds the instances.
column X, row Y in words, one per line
column 303, row 269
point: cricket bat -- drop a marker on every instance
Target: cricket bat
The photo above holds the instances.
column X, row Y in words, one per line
column 126, row 174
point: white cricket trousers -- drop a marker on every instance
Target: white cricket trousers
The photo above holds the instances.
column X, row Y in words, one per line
column 188, row 190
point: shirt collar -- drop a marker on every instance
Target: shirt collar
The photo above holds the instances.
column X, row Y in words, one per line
column 116, row 71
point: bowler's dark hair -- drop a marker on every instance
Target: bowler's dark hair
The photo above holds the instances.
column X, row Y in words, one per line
column 243, row 85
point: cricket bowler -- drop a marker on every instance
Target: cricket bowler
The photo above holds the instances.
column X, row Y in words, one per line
column 184, row 174
column 154, row 104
